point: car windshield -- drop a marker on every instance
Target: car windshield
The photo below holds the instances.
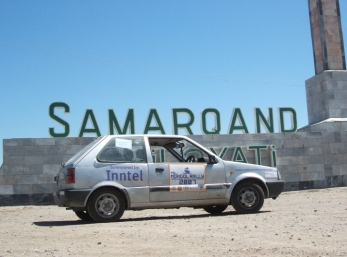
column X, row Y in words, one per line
column 84, row 150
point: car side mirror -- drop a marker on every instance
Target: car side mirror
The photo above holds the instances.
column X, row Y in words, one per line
column 212, row 159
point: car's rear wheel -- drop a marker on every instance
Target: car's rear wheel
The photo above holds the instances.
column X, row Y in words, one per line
column 83, row 215
column 247, row 197
column 216, row 209
column 106, row 205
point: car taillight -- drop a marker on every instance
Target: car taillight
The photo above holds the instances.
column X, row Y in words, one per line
column 70, row 176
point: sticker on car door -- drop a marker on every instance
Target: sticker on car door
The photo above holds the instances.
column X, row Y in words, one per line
column 187, row 178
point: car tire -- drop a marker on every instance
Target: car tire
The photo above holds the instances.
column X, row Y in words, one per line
column 106, row 205
column 216, row 209
column 83, row 215
column 247, row 197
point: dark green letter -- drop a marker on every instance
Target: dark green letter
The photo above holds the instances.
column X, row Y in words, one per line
column 153, row 112
column 129, row 122
column 238, row 155
column 267, row 123
column 216, row 128
column 59, row 120
column 237, row 115
column 89, row 114
column 292, row 117
column 185, row 126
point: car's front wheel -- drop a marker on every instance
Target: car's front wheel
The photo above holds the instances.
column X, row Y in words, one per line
column 247, row 197
column 106, row 205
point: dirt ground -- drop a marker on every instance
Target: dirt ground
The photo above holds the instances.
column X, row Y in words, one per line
column 301, row 223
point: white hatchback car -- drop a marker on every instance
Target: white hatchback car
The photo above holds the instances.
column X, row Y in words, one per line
column 133, row 172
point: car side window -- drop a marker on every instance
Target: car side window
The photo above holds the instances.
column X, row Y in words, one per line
column 160, row 154
column 122, row 149
column 176, row 151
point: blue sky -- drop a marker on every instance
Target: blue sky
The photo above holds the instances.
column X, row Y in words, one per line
column 146, row 55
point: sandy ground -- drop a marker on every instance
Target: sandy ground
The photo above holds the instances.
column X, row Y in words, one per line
column 301, row 223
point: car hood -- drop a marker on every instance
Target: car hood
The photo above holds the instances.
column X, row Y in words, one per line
column 247, row 167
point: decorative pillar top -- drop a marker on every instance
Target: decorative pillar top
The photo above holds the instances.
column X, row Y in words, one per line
column 326, row 33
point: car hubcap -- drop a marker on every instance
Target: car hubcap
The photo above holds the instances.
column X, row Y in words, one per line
column 107, row 205
column 248, row 198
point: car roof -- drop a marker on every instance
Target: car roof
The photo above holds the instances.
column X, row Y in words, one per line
column 156, row 139
column 149, row 136
column 161, row 140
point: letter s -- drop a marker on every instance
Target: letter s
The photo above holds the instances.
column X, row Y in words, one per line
column 59, row 120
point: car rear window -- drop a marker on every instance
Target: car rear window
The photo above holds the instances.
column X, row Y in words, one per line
column 123, row 149
column 84, row 150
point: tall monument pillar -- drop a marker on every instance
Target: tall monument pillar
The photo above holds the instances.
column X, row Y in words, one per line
column 326, row 92
column 326, row 35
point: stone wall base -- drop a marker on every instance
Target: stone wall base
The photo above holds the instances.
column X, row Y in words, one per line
column 26, row 199
column 308, row 159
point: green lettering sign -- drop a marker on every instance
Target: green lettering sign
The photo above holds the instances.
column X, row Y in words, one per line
column 292, row 115
column 237, row 116
column 216, row 129
column 268, row 124
column 129, row 123
column 263, row 122
column 89, row 115
column 185, row 126
column 66, row 126
column 153, row 115
column 239, row 155
column 257, row 149
column 273, row 156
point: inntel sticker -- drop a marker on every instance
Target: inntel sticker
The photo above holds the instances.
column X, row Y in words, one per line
column 187, row 178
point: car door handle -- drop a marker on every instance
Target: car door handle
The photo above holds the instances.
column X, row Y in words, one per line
column 159, row 169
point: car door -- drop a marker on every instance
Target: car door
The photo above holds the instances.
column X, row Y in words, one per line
column 171, row 180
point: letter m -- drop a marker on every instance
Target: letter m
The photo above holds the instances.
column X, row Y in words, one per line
column 129, row 123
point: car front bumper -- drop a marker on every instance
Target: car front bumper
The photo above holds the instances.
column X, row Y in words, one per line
column 275, row 188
